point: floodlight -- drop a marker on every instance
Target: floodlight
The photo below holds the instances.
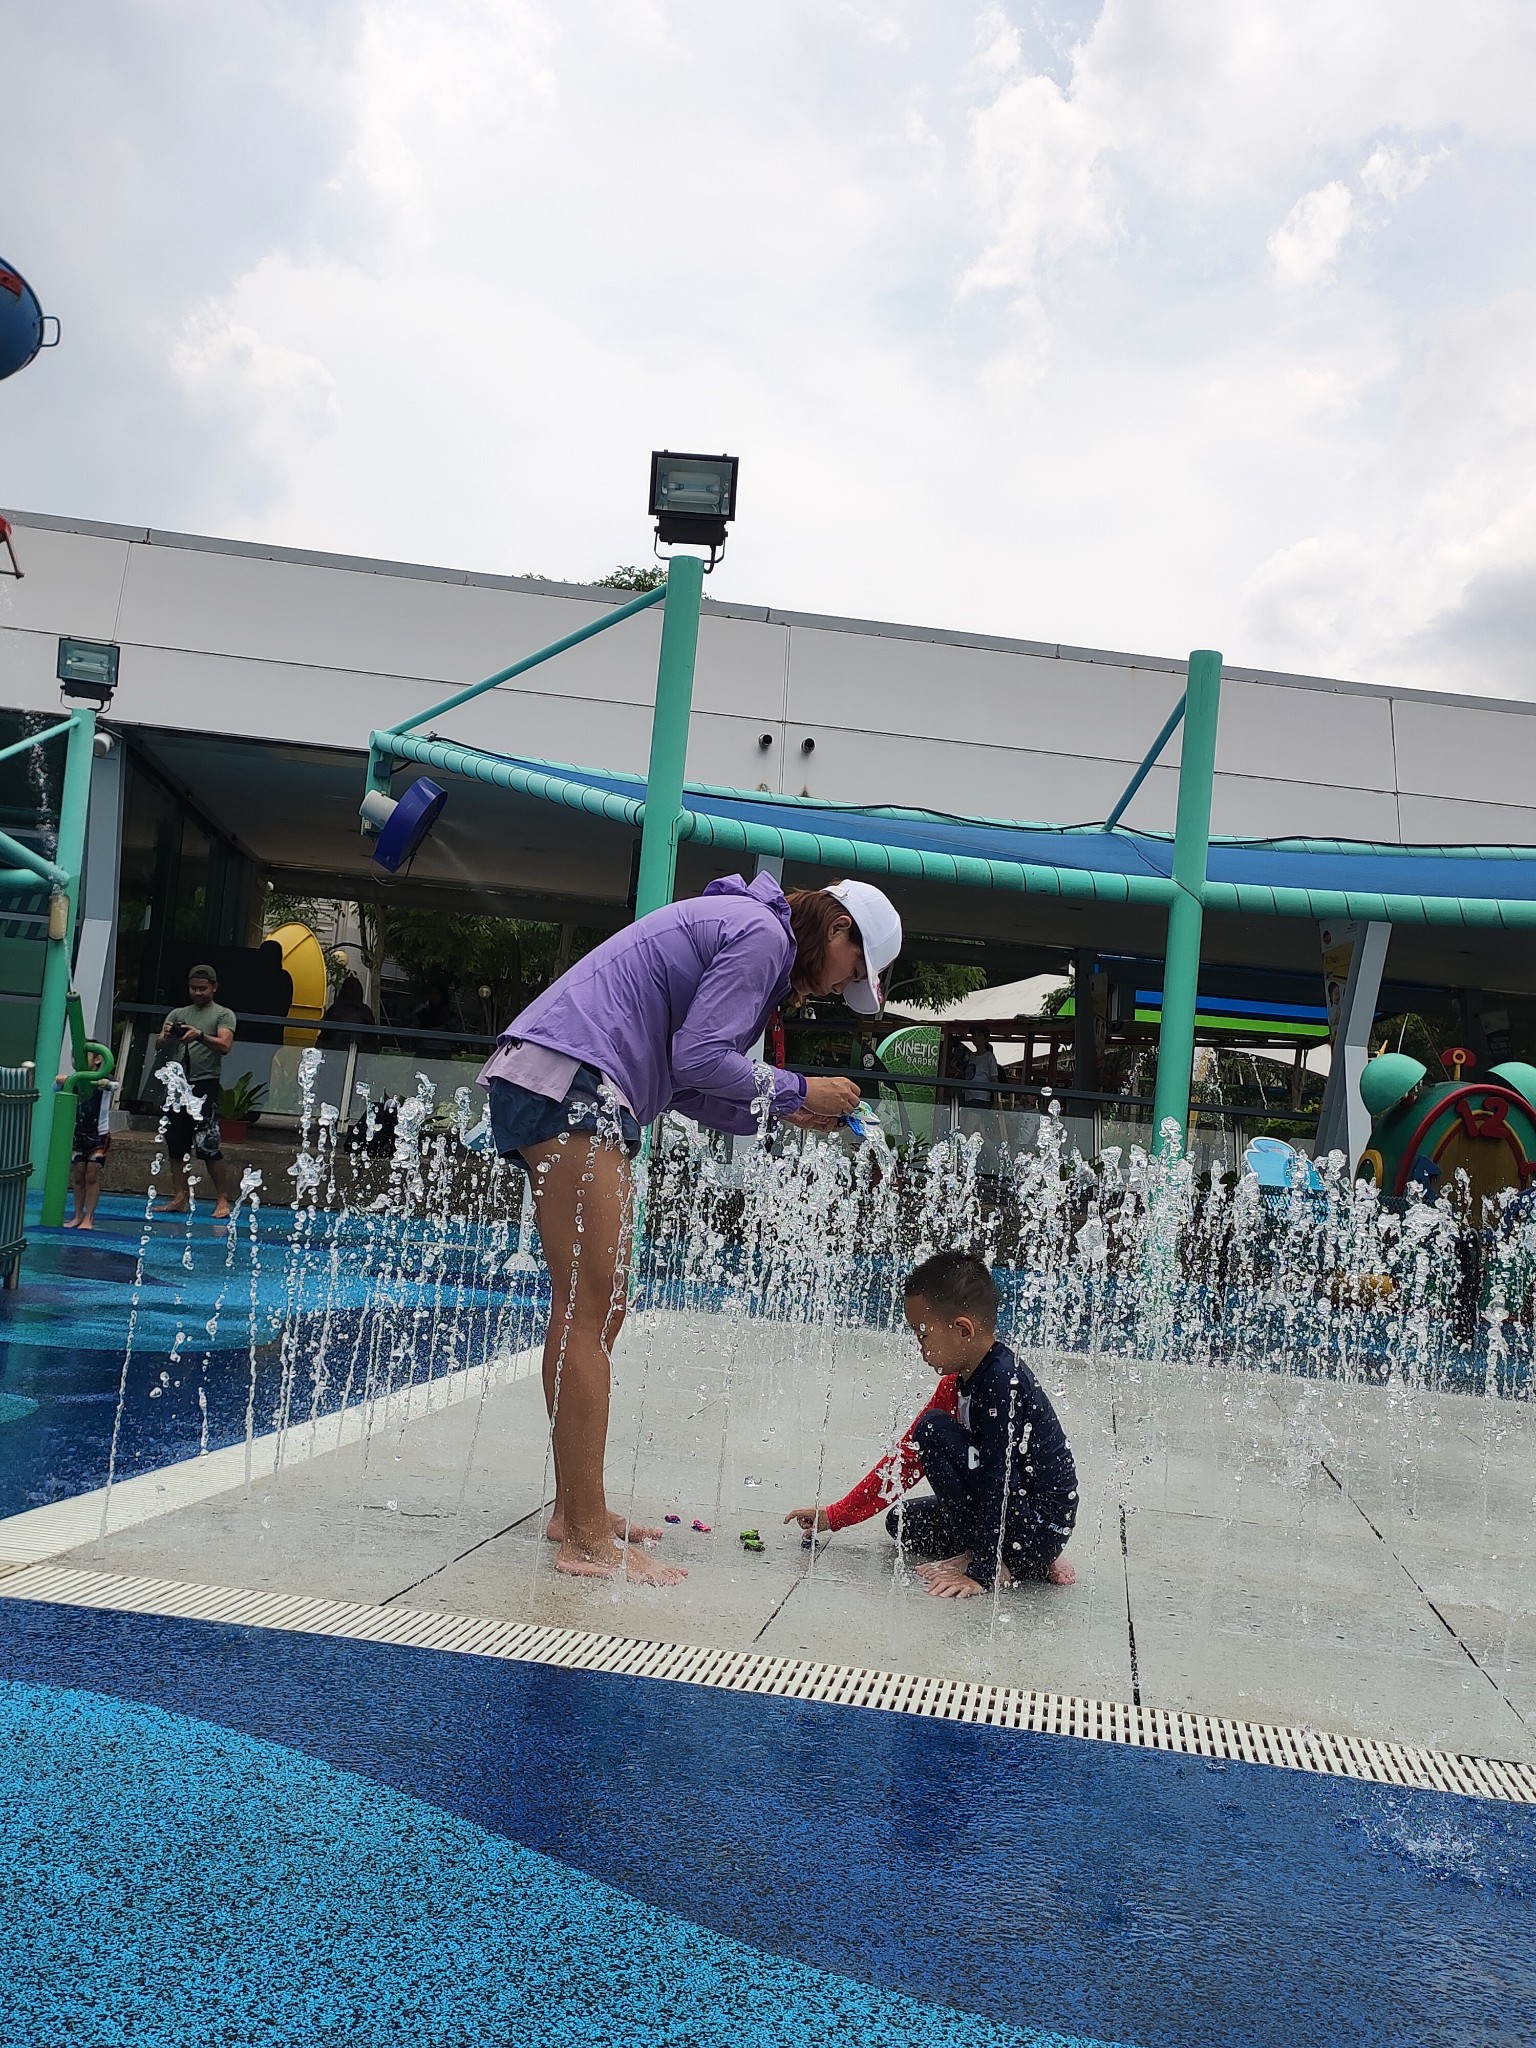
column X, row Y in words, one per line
column 693, row 497
column 403, row 823
column 87, row 672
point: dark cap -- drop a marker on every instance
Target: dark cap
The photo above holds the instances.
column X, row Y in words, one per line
column 203, row 972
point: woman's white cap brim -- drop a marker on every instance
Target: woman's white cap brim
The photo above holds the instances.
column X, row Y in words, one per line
column 880, row 929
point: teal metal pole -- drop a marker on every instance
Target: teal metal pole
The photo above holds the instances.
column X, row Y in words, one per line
column 561, row 646
column 1186, row 913
column 34, row 739
column 669, row 734
column 57, row 963
column 1148, row 762
column 43, row 870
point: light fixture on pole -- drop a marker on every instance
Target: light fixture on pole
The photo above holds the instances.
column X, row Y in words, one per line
column 87, row 672
column 693, row 499
column 403, row 823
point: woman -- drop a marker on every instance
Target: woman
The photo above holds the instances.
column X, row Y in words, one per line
column 659, row 1017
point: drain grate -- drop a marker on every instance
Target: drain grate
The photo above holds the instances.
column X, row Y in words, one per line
column 944, row 1699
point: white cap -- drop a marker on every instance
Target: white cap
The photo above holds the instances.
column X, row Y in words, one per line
column 880, row 929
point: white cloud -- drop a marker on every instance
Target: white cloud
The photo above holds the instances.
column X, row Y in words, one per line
column 1304, row 249
column 431, row 277
column 1390, row 174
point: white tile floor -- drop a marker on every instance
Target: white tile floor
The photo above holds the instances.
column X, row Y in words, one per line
column 1268, row 1549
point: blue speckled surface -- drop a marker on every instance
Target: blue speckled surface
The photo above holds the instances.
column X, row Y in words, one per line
column 217, row 1890
column 1039, row 1882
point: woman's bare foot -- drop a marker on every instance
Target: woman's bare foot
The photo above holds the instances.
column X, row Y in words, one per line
column 1059, row 1573
column 616, row 1560
column 642, row 1532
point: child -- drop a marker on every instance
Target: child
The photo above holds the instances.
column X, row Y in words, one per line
column 92, row 1141
column 1004, row 1484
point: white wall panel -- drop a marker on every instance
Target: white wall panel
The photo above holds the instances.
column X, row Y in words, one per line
column 882, row 768
column 742, row 669
column 1486, row 756
column 1445, row 821
column 925, row 688
column 321, row 652
column 1319, row 736
column 70, row 584
column 1251, row 806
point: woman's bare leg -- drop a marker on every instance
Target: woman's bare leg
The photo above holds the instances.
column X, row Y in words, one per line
column 581, row 1201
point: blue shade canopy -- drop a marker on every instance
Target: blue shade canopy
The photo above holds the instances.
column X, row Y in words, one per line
column 1313, row 878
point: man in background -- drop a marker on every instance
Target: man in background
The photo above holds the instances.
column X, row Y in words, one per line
column 197, row 1036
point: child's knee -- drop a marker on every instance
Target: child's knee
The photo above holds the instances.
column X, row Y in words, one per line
column 934, row 1431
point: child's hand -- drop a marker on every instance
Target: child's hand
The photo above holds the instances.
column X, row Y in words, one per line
column 950, row 1583
column 809, row 1519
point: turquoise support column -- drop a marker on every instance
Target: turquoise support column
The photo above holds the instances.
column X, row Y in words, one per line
column 1186, row 913
column 69, row 855
column 669, row 734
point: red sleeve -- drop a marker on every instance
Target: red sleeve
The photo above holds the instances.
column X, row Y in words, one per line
column 898, row 1472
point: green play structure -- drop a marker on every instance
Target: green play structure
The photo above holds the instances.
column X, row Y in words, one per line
column 52, row 1122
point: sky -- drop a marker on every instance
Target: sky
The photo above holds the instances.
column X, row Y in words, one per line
column 1144, row 325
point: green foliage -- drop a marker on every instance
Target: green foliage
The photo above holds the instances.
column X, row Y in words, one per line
column 512, row 957
column 627, row 577
column 242, row 1098
column 930, row 984
column 282, row 908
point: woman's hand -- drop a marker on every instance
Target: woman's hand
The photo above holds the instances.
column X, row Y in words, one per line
column 804, row 1120
column 828, row 1096
column 810, row 1519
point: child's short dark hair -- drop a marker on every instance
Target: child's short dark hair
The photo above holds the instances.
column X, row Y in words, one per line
column 957, row 1284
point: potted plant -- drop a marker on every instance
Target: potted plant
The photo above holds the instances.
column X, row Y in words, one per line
column 238, row 1105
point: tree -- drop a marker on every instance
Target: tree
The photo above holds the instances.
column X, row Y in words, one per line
column 627, row 577
column 930, row 984
column 512, row 957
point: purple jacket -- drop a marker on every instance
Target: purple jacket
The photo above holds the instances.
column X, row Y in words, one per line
column 668, row 1007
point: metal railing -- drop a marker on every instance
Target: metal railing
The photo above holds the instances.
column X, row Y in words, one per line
column 385, row 1059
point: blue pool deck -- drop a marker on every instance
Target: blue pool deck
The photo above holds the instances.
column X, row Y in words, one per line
column 250, row 1824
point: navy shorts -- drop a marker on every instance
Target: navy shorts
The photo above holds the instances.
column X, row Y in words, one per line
column 520, row 1119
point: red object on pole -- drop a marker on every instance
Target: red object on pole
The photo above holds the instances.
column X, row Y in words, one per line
column 10, row 549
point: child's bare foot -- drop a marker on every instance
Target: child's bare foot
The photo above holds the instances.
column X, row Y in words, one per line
column 616, row 1560
column 1059, row 1573
column 221, row 1211
column 642, row 1532
column 85, row 1223
column 71, row 1222
column 171, row 1209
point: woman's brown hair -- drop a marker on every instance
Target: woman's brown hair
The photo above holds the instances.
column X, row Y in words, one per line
column 812, row 914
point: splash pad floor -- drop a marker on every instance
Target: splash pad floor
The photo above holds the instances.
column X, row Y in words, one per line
column 1251, row 1546
column 232, row 1815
